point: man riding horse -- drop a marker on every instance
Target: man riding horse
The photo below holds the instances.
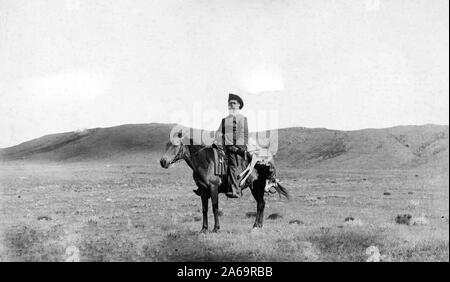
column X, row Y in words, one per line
column 232, row 138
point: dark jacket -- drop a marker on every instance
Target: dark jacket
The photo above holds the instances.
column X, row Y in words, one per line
column 233, row 130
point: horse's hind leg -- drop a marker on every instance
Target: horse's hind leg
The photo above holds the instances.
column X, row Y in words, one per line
column 258, row 194
column 260, row 207
column 205, row 212
column 215, row 207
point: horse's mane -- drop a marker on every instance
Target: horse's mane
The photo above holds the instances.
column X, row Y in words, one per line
column 194, row 148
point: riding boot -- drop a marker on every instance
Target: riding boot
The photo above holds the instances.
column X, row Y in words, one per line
column 232, row 195
column 235, row 192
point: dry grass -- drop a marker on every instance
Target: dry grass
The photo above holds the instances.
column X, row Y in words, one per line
column 129, row 212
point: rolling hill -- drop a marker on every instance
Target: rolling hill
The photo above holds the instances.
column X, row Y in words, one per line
column 399, row 147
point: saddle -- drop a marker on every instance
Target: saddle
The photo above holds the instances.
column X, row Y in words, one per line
column 221, row 162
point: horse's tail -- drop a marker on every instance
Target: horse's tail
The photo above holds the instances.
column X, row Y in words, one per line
column 282, row 191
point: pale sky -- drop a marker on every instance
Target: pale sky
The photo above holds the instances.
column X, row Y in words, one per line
column 338, row 64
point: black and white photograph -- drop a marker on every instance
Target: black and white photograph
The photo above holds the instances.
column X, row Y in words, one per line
column 236, row 133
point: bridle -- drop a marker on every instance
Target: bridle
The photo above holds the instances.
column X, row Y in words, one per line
column 179, row 156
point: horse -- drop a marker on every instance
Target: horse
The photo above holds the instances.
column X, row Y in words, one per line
column 200, row 159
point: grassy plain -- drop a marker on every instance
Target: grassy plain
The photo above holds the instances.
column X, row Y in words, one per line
column 141, row 212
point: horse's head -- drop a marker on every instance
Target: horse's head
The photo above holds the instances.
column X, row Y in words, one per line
column 175, row 151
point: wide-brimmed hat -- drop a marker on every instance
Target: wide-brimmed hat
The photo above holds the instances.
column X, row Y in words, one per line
column 232, row 96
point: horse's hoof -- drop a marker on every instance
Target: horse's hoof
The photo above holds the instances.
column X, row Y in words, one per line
column 256, row 229
column 216, row 230
column 203, row 231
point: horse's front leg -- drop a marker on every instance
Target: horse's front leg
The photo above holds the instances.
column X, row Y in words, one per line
column 205, row 212
column 215, row 207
